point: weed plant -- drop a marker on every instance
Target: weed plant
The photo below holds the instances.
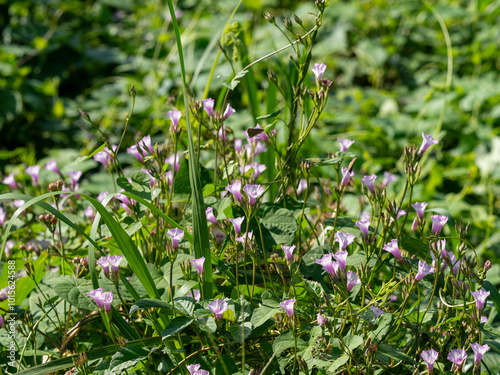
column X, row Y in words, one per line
column 225, row 253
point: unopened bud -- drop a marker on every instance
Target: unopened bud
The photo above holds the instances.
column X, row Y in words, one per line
column 84, row 114
column 288, row 24
column 269, row 17
column 132, row 91
column 487, row 265
column 297, row 19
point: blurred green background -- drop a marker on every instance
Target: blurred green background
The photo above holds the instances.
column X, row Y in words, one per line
column 399, row 68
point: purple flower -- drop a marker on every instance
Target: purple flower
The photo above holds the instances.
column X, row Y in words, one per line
column 341, row 258
column 423, row 270
column 208, row 106
column 174, row 158
column 89, row 212
column 235, row 189
column 198, row 263
column 328, row 264
column 344, row 144
column 257, row 169
column 288, row 250
column 247, row 237
column 426, row 142
column 134, row 150
column 102, row 196
column 420, row 207
column 114, row 262
column 429, row 356
column 104, row 263
column 479, row 350
column 302, row 186
column 237, row 224
column 480, row 297
column 437, row 223
column 376, row 311
column 400, row 214
column 352, row 279
column 4, row 293
column 8, row 248
column 104, row 157
column 218, row 307
column 74, row 177
column 222, row 133
column 344, row 239
column 193, row 368
column 346, row 176
column 9, row 180
column 288, row 306
column 363, row 226
column 318, row 70
column 175, row 235
column 238, row 143
column 52, row 166
column 457, row 356
column 388, row 178
column 33, row 172
column 174, row 116
column 253, row 192
column 369, row 181
column 321, row 319
column 218, row 234
column 393, row 248
column 483, row 319
column 414, row 225
column 229, row 111
column 195, row 294
column 145, row 143
column 210, row 215
column 102, row 300
column 3, row 215
column 261, row 136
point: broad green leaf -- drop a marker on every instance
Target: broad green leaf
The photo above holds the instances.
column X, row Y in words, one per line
column 176, row 325
column 240, row 332
column 262, row 314
column 337, row 363
column 352, row 342
column 185, row 305
column 139, row 185
column 278, row 226
column 207, row 324
column 385, row 350
column 494, row 295
column 145, row 303
column 225, row 365
column 286, row 341
column 127, row 357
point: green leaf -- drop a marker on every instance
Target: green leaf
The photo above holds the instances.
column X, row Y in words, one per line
column 139, row 185
column 262, row 314
column 241, row 332
column 145, row 303
column 286, row 341
column 278, row 226
column 127, row 357
column 84, row 158
column 352, row 342
column 385, row 351
column 176, row 325
column 207, row 324
column 337, row 363
column 225, row 365
column 494, row 295
column 270, row 115
column 185, row 305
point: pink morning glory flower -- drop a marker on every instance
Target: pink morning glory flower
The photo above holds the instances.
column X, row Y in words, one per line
column 198, row 263
column 346, row 176
column 33, row 171
column 427, row 142
column 193, row 368
column 3, row 215
column 376, row 311
column 328, row 264
column 483, row 319
column 321, row 319
column 134, row 150
column 102, row 196
column 257, row 169
column 288, row 306
column 480, row 296
column 10, row 181
column 237, row 224
column 388, row 178
column 145, row 143
column 74, row 177
column 344, row 144
column 210, row 215
column 479, row 350
column 253, row 192
column 344, row 239
column 363, row 226
column 420, row 207
column 341, row 258
column 429, row 356
column 218, row 307
column 393, row 248
column 208, row 106
column 423, row 270
column 229, row 111
column 318, row 70
column 175, row 235
column 238, row 144
column 104, row 157
column 174, row 116
column 457, row 356
column 102, row 300
column 104, row 263
column 235, row 189
column 302, row 186
column 369, row 182
column 437, row 223
column 352, row 279
column 174, row 158
column 219, row 235
column 247, row 237
column 89, row 212
column 195, row 294
column 52, row 166
column 400, row 214
column 114, row 262
column 288, row 250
